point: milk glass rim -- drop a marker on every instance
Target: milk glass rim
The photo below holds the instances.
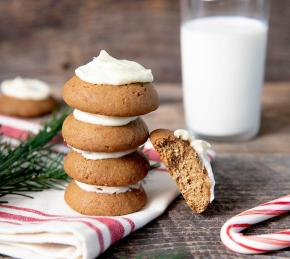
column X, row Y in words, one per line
column 185, row 16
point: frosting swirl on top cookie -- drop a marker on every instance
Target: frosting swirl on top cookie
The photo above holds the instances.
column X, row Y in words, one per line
column 105, row 69
column 201, row 147
column 25, row 88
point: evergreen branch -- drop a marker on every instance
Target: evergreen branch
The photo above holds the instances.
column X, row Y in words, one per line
column 32, row 165
column 154, row 166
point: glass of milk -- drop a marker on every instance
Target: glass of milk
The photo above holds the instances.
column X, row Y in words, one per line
column 223, row 49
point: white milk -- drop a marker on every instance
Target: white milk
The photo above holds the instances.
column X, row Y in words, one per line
column 223, row 68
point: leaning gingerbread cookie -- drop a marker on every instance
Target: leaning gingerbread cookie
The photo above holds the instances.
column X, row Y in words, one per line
column 188, row 163
column 23, row 97
column 104, row 133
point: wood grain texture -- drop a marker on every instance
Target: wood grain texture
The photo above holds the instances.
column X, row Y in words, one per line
column 242, row 182
column 247, row 174
column 49, row 38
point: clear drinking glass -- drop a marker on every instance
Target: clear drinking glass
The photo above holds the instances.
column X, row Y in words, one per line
column 223, row 49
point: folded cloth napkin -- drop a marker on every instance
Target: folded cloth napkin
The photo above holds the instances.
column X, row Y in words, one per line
column 45, row 227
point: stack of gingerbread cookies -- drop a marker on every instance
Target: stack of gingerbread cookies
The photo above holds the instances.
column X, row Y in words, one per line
column 105, row 134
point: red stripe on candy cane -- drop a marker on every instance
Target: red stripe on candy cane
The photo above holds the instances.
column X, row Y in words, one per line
column 285, row 232
column 240, row 225
column 256, row 244
column 263, row 212
column 277, row 203
column 228, row 231
column 270, row 241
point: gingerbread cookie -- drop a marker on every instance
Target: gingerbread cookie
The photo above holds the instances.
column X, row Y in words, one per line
column 25, row 98
column 26, row 108
column 124, row 100
column 126, row 170
column 104, row 133
column 187, row 162
column 102, row 203
column 96, row 138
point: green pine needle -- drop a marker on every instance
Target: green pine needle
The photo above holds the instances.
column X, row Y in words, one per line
column 154, row 166
column 32, row 165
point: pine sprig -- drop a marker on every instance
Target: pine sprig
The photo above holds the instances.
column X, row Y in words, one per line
column 32, row 165
column 154, row 166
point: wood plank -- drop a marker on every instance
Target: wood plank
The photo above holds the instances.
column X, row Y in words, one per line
column 243, row 182
column 49, row 39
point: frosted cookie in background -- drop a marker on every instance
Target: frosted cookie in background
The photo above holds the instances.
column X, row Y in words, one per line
column 188, row 163
column 26, row 97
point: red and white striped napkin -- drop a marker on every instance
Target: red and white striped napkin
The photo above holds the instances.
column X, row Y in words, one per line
column 45, row 227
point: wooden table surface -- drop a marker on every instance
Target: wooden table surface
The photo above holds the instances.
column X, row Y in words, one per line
column 247, row 174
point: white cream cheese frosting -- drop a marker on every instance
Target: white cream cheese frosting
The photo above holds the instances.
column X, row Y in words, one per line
column 25, row 88
column 102, row 119
column 99, row 155
column 201, row 148
column 105, row 69
column 107, row 189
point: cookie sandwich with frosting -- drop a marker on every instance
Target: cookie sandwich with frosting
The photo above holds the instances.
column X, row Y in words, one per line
column 188, row 163
column 25, row 97
column 105, row 132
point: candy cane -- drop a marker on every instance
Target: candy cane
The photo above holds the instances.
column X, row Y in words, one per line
column 256, row 244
